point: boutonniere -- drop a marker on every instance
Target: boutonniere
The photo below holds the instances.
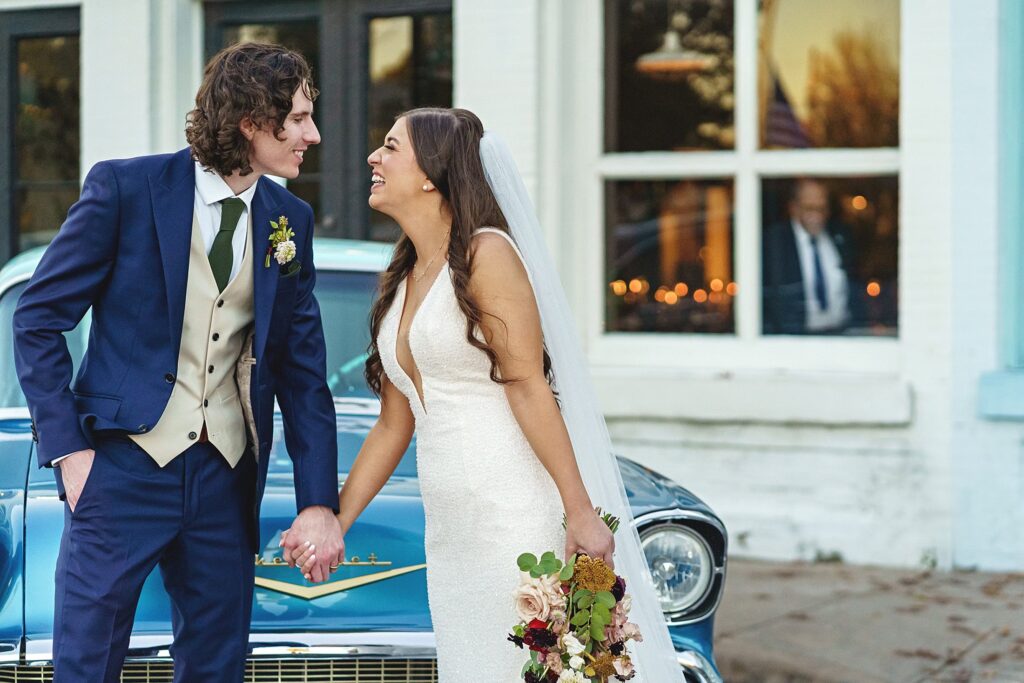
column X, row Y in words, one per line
column 282, row 248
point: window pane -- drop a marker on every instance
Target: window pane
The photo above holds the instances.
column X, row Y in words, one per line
column 849, row 226
column 42, row 210
column 303, row 37
column 669, row 256
column 410, row 66
column 669, row 75
column 829, row 77
column 45, row 136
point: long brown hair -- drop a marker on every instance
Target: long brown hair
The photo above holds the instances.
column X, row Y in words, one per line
column 253, row 80
column 446, row 143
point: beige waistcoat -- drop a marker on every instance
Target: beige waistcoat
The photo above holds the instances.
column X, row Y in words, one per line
column 205, row 388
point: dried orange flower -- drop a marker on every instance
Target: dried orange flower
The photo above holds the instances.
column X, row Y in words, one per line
column 593, row 574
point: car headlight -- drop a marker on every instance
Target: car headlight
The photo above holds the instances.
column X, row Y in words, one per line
column 680, row 563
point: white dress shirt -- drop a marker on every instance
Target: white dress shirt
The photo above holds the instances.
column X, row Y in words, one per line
column 210, row 190
column 836, row 286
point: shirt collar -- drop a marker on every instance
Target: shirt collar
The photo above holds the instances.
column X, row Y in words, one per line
column 801, row 232
column 212, row 188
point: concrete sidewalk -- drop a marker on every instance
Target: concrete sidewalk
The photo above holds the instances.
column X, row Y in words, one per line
column 811, row 623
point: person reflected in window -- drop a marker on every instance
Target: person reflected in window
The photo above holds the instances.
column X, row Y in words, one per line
column 806, row 260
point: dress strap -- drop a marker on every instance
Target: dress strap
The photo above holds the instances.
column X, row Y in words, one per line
column 512, row 242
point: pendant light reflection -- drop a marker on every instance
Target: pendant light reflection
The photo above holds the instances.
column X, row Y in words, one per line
column 671, row 60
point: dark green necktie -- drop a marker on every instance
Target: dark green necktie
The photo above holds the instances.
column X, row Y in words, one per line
column 220, row 253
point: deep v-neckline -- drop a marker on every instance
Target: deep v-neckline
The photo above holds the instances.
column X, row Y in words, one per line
column 412, row 321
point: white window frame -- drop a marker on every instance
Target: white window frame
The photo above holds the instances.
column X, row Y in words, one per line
column 747, row 165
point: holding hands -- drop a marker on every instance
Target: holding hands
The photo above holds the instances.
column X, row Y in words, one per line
column 314, row 543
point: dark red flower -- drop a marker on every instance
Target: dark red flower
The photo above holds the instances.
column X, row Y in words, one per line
column 540, row 639
column 619, row 589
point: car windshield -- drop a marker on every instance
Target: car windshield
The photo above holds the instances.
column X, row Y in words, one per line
column 344, row 297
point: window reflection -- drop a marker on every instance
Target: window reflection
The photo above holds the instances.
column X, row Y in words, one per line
column 669, row 75
column 829, row 78
column 830, row 256
column 410, row 66
column 46, row 138
column 669, row 256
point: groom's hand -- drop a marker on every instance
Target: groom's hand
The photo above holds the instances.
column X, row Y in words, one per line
column 315, row 534
column 74, row 470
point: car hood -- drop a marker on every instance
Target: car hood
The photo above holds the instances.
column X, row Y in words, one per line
column 381, row 588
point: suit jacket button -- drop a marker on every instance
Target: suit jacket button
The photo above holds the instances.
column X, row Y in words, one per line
column 216, row 336
column 192, row 436
column 169, row 377
column 143, row 428
column 220, row 303
column 206, row 403
column 211, row 368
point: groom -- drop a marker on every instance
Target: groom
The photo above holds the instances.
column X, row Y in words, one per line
column 160, row 449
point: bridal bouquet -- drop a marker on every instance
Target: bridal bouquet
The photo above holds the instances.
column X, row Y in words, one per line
column 574, row 619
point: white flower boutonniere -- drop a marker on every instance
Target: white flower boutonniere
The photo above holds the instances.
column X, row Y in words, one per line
column 282, row 248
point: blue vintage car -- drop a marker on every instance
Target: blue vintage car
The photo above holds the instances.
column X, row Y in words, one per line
column 370, row 622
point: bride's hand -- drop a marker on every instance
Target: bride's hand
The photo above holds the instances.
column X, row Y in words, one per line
column 587, row 533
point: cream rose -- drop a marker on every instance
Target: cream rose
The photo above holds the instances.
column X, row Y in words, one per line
column 536, row 598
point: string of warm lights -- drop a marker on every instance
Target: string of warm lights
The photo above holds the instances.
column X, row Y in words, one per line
column 714, row 293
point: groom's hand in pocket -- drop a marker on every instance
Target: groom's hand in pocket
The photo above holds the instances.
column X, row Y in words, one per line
column 314, row 543
column 74, row 470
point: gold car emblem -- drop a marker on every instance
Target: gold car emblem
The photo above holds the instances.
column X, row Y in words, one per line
column 332, row 587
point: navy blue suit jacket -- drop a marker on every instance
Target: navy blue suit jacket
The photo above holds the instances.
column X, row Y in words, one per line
column 784, row 307
column 124, row 251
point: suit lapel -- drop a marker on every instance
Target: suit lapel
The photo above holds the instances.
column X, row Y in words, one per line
column 173, row 199
column 264, row 210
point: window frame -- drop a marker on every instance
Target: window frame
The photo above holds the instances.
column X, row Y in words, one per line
column 747, row 164
column 343, row 39
column 1001, row 392
column 18, row 24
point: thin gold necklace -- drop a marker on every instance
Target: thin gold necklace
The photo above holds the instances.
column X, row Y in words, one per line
column 417, row 278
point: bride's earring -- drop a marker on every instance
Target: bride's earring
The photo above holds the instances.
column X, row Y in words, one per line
column 426, row 188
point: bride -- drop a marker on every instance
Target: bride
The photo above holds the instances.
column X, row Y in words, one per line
column 468, row 311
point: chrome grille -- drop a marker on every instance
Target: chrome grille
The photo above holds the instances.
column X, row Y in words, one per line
column 267, row 671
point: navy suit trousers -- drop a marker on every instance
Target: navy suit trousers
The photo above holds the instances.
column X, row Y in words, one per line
column 193, row 519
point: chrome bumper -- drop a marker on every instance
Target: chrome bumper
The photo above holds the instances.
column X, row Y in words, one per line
column 697, row 667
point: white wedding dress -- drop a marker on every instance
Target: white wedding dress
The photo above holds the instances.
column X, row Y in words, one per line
column 486, row 496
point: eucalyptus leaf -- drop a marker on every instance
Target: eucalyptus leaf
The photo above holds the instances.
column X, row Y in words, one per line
column 581, row 594
column 566, row 573
column 527, row 561
column 605, row 598
column 580, row 618
column 597, row 632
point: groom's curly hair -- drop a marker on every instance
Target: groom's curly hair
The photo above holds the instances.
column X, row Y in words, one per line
column 254, row 81
column 446, row 143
